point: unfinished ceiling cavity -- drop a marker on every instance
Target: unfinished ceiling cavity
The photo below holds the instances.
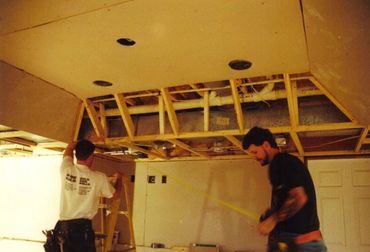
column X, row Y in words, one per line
column 208, row 120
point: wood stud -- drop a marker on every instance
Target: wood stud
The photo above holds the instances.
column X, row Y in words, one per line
column 93, row 115
column 170, row 110
column 362, row 140
column 237, row 105
column 125, row 114
column 187, row 147
column 293, row 113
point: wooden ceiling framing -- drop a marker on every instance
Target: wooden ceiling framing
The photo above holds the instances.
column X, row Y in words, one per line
column 171, row 142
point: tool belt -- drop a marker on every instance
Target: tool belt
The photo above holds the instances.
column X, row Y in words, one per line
column 289, row 243
column 59, row 236
column 308, row 237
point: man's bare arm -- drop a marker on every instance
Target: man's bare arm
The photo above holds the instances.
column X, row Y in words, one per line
column 68, row 152
column 296, row 200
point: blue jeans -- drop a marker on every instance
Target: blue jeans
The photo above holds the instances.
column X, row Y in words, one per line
column 314, row 246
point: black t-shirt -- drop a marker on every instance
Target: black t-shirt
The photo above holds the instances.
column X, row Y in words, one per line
column 285, row 173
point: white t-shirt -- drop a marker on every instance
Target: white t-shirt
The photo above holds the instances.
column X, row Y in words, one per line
column 80, row 190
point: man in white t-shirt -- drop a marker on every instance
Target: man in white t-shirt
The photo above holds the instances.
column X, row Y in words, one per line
column 81, row 189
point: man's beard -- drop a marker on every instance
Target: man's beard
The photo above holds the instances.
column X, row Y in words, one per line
column 265, row 161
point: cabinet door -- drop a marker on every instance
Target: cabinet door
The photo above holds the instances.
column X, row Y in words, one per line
column 343, row 200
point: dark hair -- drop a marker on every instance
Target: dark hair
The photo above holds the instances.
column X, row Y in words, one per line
column 257, row 136
column 84, row 148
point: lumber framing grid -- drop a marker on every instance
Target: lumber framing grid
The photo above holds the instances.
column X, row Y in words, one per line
column 98, row 115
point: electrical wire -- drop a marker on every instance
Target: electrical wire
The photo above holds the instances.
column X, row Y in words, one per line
column 263, row 100
column 332, row 142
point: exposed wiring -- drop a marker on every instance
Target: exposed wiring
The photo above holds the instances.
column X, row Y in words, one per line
column 263, row 100
column 332, row 142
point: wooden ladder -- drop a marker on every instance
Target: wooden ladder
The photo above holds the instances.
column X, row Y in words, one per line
column 114, row 207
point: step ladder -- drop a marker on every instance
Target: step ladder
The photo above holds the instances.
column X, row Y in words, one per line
column 115, row 211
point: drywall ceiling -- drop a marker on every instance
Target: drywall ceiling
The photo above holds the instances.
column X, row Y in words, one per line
column 72, row 43
column 338, row 39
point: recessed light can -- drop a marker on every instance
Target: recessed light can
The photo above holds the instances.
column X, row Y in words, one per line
column 126, row 42
column 240, row 64
column 102, row 83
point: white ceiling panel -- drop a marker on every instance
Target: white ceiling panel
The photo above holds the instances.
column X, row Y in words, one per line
column 177, row 42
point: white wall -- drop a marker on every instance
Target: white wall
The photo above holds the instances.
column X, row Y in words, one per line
column 178, row 213
column 29, row 197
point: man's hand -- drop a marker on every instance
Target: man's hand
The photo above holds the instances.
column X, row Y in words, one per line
column 266, row 226
column 297, row 198
column 117, row 181
column 94, row 138
column 69, row 149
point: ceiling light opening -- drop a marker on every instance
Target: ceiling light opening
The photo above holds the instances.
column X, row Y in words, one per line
column 126, row 42
column 102, row 83
column 240, row 64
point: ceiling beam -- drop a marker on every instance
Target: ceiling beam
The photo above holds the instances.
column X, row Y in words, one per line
column 215, row 101
column 335, row 153
column 94, row 118
column 194, row 86
column 188, row 158
column 187, row 147
column 236, row 142
column 206, row 111
column 52, row 145
column 237, row 105
column 161, row 115
column 142, row 150
column 78, row 120
column 22, row 151
column 170, row 110
column 362, row 138
column 103, row 119
column 14, row 133
column 328, row 126
column 293, row 113
column 184, row 135
column 20, row 141
column 125, row 115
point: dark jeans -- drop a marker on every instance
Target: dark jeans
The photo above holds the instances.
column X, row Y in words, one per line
column 77, row 235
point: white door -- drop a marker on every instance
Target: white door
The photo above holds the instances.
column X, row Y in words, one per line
column 343, row 201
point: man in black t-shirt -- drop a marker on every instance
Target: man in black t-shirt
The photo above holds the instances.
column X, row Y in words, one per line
column 292, row 216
